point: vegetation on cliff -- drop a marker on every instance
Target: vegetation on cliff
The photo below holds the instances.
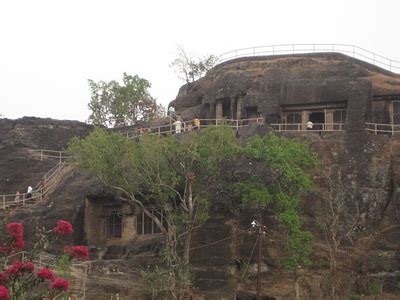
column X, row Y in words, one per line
column 175, row 176
column 189, row 68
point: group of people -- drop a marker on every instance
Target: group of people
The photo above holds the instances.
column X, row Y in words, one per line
column 29, row 192
column 179, row 125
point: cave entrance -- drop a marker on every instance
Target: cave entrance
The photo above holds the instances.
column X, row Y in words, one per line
column 226, row 108
column 207, row 111
column 396, row 112
column 318, row 119
column 251, row 112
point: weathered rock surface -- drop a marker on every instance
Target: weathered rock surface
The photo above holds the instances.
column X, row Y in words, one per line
column 369, row 166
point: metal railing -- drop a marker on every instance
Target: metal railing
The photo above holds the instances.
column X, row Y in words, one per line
column 282, row 49
column 378, row 128
column 42, row 154
column 49, row 180
column 41, row 260
column 189, row 126
column 303, row 127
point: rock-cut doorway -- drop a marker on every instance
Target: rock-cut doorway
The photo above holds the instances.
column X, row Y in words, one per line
column 318, row 118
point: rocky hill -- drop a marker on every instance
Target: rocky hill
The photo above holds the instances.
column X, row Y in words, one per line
column 364, row 165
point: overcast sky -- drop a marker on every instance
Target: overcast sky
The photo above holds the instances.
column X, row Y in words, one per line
column 48, row 49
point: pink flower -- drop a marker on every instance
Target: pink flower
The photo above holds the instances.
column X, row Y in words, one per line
column 59, row 284
column 15, row 230
column 4, row 249
column 63, row 228
column 46, row 273
column 19, row 244
column 79, row 252
column 27, row 267
column 19, row 267
column 4, row 293
column 13, row 271
column 4, row 278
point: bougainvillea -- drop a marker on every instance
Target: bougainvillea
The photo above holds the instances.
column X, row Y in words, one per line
column 46, row 273
column 4, row 293
column 4, row 278
column 60, row 284
column 18, row 281
column 79, row 252
column 13, row 271
column 16, row 234
column 63, row 228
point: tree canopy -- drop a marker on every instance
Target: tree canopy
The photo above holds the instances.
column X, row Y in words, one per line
column 176, row 175
column 165, row 174
column 189, row 67
column 114, row 105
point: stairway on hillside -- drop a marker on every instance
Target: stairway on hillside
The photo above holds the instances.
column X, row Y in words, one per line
column 44, row 187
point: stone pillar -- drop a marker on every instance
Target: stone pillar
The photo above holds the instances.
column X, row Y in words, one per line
column 329, row 119
column 232, row 106
column 239, row 108
column 218, row 109
column 304, row 119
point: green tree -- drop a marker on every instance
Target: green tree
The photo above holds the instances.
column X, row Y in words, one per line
column 189, row 67
column 176, row 175
column 279, row 183
column 165, row 174
column 116, row 105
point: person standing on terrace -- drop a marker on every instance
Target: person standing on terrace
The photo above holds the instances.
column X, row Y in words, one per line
column 310, row 125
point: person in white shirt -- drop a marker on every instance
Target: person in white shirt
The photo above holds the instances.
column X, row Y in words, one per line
column 310, row 125
column 29, row 192
column 178, row 126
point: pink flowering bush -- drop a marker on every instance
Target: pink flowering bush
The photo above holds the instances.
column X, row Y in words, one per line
column 60, row 284
column 46, row 273
column 63, row 228
column 19, row 280
column 4, row 293
column 78, row 252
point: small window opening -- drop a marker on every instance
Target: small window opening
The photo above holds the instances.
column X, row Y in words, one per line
column 146, row 225
column 113, row 225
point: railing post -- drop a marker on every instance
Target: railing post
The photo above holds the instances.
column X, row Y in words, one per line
column 376, row 128
column 237, row 124
column 41, row 155
column 392, row 129
column 4, row 202
column 279, row 127
column 23, row 199
column 60, row 157
column 216, row 122
column 159, row 131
